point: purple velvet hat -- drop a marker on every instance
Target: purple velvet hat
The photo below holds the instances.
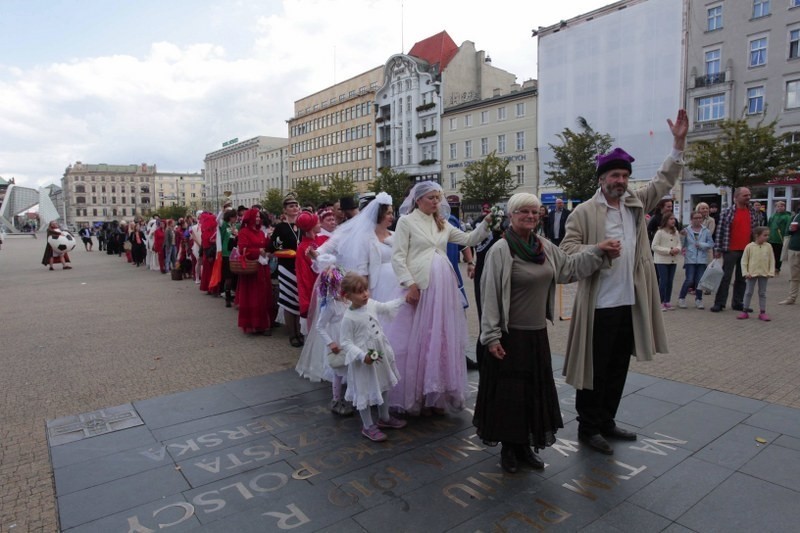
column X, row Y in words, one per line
column 616, row 158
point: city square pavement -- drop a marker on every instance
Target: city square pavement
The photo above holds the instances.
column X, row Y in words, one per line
column 131, row 402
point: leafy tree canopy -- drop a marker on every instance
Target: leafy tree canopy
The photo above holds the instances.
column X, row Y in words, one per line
column 487, row 180
column 273, row 201
column 339, row 187
column 308, row 192
column 394, row 183
column 573, row 166
column 743, row 155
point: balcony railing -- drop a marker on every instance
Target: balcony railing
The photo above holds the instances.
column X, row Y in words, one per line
column 709, row 79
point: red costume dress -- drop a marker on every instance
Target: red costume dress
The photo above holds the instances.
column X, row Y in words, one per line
column 208, row 237
column 158, row 248
column 254, row 291
column 305, row 275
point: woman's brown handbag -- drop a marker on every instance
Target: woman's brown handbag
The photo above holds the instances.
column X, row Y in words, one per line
column 240, row 265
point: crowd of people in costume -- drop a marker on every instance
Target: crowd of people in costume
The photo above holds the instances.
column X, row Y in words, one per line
column 377, row 308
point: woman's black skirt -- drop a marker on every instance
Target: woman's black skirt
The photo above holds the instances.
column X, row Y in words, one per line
column 517, row 399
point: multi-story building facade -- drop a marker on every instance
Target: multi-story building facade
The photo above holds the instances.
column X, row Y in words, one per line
column 332, row 133
column 504, row 124
column 743, row 60
column 179, row 189
column 273, row 167
column 241, row 169
column 619, row 67
column 417, row 88
column 102, row 193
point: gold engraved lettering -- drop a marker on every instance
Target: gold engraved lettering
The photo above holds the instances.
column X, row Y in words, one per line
column 259, row 426
column 240, row 433
column 611, row 477
column 632, row 471
column 246, row 494
column 518, row 517
column 217, row 503
column 449, row 491
column 295, row 517
column 398, row 473
column 360, row 488
column 331, row 460
column 582, row 483
column 236, row 461
column 341, row 498
column 280, row 480
column 563, row 446
column 550, row 513
column 190, row 446
column 188, row 511
column 480, row 484
column 305, row 471
column 209, row 465
column 134, row 526
column 278, row 445
column 360, row 451
column 258, row 452
column 210, row 440
column 468, row 446
column 156, row 454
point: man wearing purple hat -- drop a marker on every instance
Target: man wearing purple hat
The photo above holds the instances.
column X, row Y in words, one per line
column 616, row 312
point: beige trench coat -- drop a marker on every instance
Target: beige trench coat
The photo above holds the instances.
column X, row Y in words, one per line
column 586, row 226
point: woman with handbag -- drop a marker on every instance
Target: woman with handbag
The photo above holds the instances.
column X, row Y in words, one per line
column 254, row 289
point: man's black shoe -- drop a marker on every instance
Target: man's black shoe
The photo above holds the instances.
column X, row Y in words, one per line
column 619, row 434
column 716, row 308
column 508, row 460
column 526, row 455
column 737, row 307
column 597, row 442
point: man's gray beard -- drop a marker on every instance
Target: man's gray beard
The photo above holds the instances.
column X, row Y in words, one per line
column 612, row 192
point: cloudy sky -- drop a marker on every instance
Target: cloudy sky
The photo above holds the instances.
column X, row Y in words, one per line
column 166, row 81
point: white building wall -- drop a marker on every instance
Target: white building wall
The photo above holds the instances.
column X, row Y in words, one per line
column 622, row 72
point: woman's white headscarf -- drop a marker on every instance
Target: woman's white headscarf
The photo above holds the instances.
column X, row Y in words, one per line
column 421, row 189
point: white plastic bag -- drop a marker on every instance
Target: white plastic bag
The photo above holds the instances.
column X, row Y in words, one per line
column 712, row 276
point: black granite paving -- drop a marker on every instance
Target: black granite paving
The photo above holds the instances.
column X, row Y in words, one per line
column 266, row 454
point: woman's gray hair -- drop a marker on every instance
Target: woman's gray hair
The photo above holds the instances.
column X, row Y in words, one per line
column 701, row 204
column 523, row 199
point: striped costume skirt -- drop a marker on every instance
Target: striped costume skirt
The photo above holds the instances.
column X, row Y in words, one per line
column 287, row 290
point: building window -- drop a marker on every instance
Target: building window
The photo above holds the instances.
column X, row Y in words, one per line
column 501, row 113
column 501, row 144
column 793, row 94
column 520, row 141
column 713, row 58
column 714, row 18
column 453, row 151
column 520, row 109
column 467, row 148
column 520, row 174
column 758, row 52
column 468, row 121
column 453, row 180
column 485, row 115
column 794, row 43
column 755, row 100
column 484, row 145
column 760, row 8
column 711, row 108
column 453, row 124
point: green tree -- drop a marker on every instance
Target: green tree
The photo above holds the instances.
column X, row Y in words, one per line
column 273, row 201
column 172, row 211
column 743, row 155
column 395, row 184
column 574, row 164
column 308, row 192
column 339, row 187
column 487, row 180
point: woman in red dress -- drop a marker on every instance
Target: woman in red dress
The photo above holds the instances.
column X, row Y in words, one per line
column 208, row 238
column 254, row 291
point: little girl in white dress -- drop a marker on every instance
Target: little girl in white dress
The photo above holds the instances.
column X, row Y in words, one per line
column 371, row 368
